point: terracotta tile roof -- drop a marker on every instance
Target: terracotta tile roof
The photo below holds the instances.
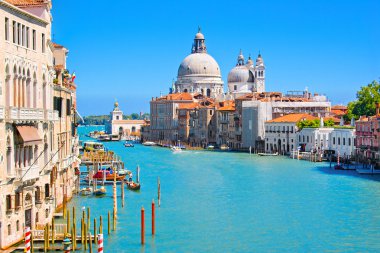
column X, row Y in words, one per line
column 292, row 118
column 188, row 106
column 338, row 112
column 24, row 3
column 57, row 45
column 339, row 107
column 177, row 96
column 335, row 119
column 227, row 106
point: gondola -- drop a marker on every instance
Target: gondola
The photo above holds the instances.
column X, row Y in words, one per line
column 100, row 192
column 133, row 186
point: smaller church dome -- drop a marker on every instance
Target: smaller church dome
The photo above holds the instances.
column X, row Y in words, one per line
column 238, row 74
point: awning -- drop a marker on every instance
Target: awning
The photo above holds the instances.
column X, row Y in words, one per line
column 29, row 135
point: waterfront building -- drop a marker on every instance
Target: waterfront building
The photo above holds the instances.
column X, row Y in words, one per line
column 199, row 72
column 164, row 115
column 32, row 175
column 123, row 127
column 337, row 139
column 265, row 106
column 202, row 130
column 225, row 124
column 281, row 133
column 245, row 77
column 368, row 137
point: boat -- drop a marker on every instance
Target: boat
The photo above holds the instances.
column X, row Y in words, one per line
column 128, row 145
column 108, row 177
column 149, row 143
column 176, row 149
column 85, row 191
column 133, row 186
column 100, row 192
column 339, row 167
column 210, row 147
column 93, row 146
column 224, row 147
column 123, row 172
column 268, row 154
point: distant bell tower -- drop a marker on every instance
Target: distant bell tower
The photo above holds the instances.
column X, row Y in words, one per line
column 116, row 114
column 260, row 74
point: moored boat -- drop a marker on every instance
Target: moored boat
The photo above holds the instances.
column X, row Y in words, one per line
column 149, row 143
column 100, row 192
column 176, row 149
column 133, row 186
column 85, row 191
column 268, row 154
column 128, row 144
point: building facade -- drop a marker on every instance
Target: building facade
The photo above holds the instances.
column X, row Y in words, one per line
column 281, row 133
column 123, row 127
column 32, row 174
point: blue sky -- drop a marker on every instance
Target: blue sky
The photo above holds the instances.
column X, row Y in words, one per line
column 131, row 50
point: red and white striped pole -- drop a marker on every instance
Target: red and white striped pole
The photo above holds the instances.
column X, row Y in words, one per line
column 100, row 243
column 27, row 239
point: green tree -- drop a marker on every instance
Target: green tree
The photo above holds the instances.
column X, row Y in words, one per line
column 135, row 116
column 328, row 123
column 367, row 97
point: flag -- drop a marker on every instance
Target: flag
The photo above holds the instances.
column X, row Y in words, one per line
column 73, row 77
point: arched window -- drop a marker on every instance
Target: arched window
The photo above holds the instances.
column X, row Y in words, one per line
column 185, row 90
column 133, row 129
column 208, row 92
column 17, row 225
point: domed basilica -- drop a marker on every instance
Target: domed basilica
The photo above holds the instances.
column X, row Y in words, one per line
column 245, row 77
column 200, row 73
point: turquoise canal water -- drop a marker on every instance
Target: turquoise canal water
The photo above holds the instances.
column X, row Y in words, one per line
column 236, row 202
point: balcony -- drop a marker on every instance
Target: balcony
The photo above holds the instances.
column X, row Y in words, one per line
column 2, row 113
column 15, row 113
column 28, row 173
column 66, row 162
column 51, row 115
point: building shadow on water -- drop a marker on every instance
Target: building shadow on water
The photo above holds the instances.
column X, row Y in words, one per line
column 347, row 173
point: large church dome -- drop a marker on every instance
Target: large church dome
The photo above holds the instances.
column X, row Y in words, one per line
column 199, row 64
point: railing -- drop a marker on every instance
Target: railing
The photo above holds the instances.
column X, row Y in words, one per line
column 51, row 115
column 66, row 162
column 28, row 173
column 59, row 230
column 14, row 113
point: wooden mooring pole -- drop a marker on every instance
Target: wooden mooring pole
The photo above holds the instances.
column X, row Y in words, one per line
column 153, row 218
column 142, row 226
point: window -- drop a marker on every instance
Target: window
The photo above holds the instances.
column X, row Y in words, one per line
column 17, row 226
column 18, row 199
column 235, row 87
column 6, row 29
column 23, row 31
column 344, row 141
column 18, row 33
column 34, row 40
column 9, row 202
column 27, row 37
column 58, row 105
column 14, row 27
column 338, row 140
column 210, row 112
column 349, row 141
column 43, row 42
column 117, row 117
column 47, row 190
column 68, row 106
column 307, row 138
column 9, row 229
column 333, row 140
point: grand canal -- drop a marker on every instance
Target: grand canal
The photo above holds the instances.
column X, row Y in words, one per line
column 236, row 202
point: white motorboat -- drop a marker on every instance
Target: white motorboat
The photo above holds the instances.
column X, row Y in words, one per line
column 176, row 149
column 149, row 143
column 268, row 154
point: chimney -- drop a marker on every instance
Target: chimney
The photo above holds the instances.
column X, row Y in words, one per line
column 377, row 108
